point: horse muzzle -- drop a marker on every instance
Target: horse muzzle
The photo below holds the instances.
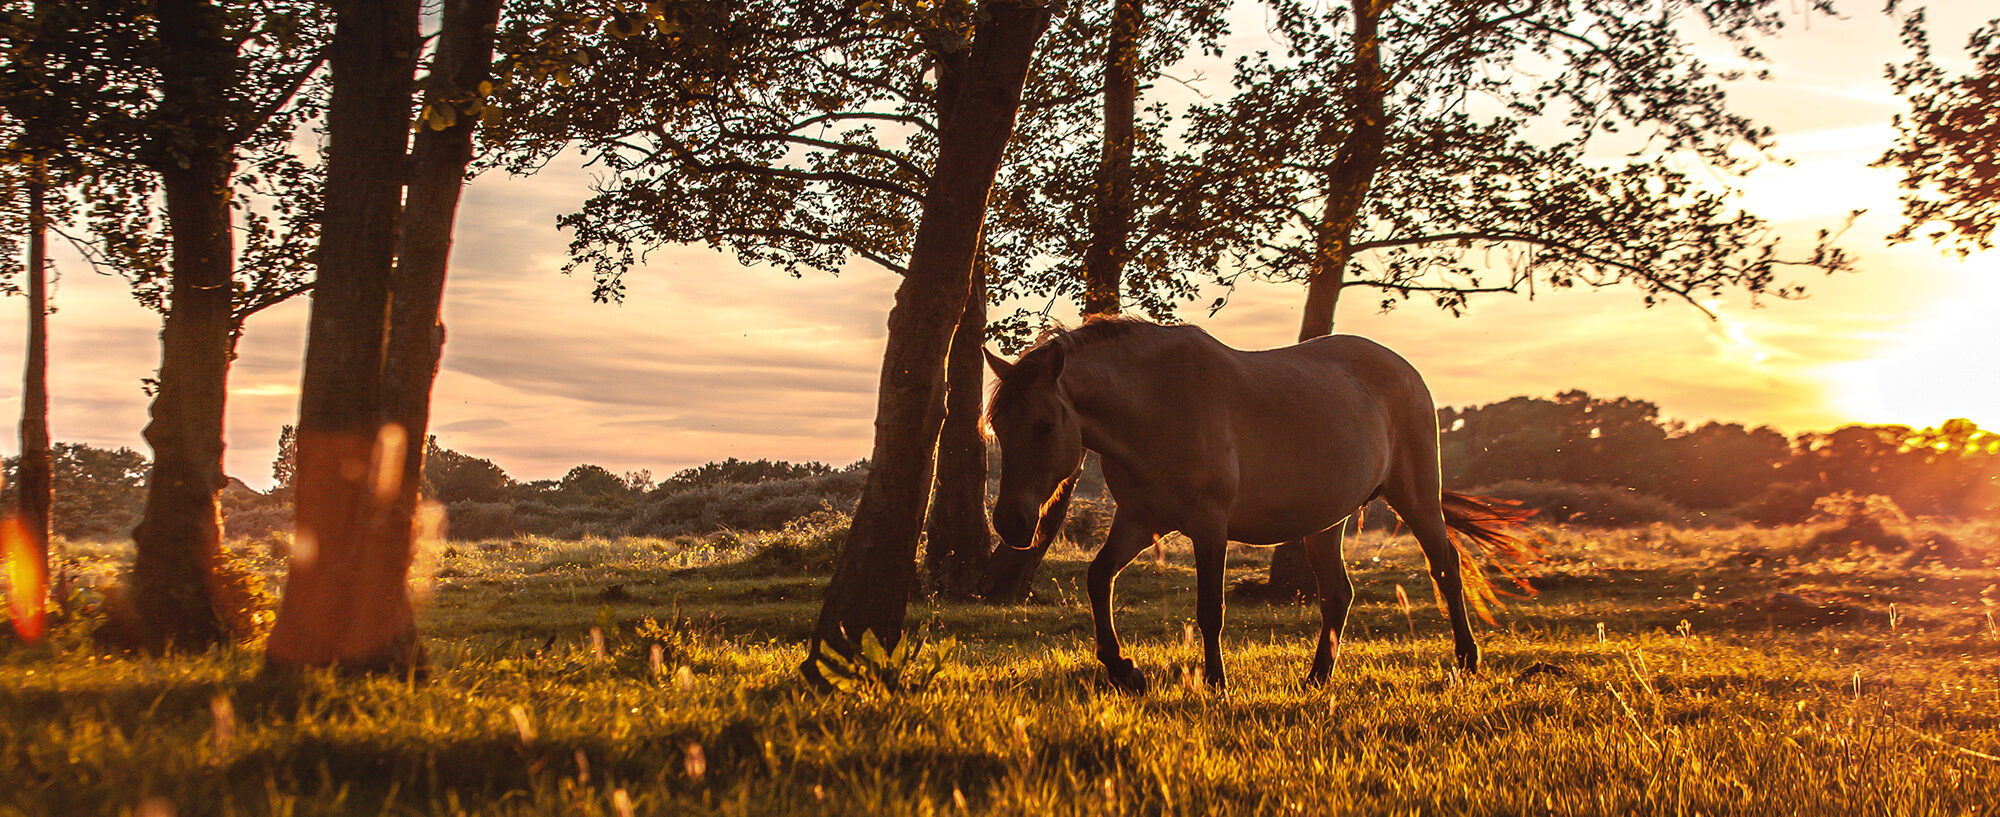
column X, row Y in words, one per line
column 1016, row 527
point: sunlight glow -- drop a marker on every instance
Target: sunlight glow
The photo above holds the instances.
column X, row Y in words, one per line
column 27, row 579
column 1940, row 370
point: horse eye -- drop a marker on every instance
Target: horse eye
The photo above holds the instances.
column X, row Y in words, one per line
column 1043, row 429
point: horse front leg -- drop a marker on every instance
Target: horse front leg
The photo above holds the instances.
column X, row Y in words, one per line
column 1336, row 594
column 1125, row 542
column 1211, row 545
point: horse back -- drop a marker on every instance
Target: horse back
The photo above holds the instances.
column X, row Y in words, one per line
column 1318, row 427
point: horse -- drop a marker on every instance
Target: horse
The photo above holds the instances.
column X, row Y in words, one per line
column 1222, row 445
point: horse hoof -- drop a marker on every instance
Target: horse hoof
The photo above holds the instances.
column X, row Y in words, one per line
column 1216, row 682
column 1128, row 679
column 1316, row 680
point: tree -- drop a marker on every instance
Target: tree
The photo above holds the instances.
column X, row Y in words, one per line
column 148, row 109
column 1409, row 188
column 375, row 337
column 795, row 135
column 1719, row 465
column 592, row 483
column 1111, row 218
column 1948, row 145
column 285, row 466
column 1085, row 218
column 453, row 477
column 979, row 90
column 97, row 493
column 40, row 134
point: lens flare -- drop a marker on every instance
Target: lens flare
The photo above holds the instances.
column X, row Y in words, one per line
column 27, row 579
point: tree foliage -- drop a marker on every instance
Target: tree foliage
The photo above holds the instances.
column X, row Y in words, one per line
column 802, row 136
column 1948, row 145
column 98, row 492
column 1493, row 119
column 1624, row 444
column 97, row 95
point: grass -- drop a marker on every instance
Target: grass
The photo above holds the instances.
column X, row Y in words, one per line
column 1656, row 674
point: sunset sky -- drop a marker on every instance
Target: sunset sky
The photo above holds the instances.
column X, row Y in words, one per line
column 707, row 359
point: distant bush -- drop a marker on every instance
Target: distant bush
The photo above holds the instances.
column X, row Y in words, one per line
column 1089, row 521
column 1871, row 521
column 97, row 494
column 1782, row 503
column 735, row 471
column 809, row 544
column 468, row 520
column 1597, row 506
column 759, row 506
column 764, row 505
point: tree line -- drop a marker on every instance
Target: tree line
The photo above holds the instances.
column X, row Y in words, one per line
column 1751, row 474
column 984, row 150
column 1758, row 474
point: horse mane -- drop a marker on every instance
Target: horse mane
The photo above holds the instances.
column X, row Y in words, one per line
column 1037, row 357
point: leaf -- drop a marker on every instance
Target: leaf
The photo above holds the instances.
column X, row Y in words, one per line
column 439, row 117
column 871, row 649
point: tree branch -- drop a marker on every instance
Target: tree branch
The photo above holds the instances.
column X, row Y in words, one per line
column 687, row 158
column 784, row 232
column 289, row 88
column 840, row 147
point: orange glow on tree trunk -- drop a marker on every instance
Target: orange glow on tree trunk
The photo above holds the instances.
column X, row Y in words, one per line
column 27, row 579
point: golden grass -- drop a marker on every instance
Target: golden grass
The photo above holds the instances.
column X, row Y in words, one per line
column 1653, row 675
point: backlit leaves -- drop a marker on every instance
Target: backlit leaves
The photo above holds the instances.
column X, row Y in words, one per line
column 1948, row 145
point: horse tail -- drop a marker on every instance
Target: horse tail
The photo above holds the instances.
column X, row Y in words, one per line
column 1490, row 531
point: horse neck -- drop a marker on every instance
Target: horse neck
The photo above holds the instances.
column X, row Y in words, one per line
column 1109, row 389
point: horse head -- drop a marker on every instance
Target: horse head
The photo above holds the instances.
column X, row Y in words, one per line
column 1041, row 447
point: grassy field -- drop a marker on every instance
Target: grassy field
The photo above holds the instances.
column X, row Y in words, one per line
column 1660, row 671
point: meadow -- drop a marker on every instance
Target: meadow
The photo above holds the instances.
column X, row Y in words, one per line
column 1660, row 670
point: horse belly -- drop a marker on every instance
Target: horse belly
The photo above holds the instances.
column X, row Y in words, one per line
column 1281, row 514
column 1313, row 472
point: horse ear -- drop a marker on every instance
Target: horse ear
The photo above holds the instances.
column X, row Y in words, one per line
column 1056, row 356
column 1001, row 368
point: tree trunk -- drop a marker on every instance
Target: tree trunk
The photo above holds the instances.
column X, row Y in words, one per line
column 957, row 538
column 33, row 474
column 1010, row 573
column 871, row 582
column 1111, row 219
column 180, row 533
column 347, row 600
column 1354, row 171
column 416, row 334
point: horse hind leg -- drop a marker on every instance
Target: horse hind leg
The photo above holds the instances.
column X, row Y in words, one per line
column 1125, row 542
column 1423, row 511
column 1336, row 595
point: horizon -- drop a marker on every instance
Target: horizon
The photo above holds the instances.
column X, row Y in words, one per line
column 707, row 359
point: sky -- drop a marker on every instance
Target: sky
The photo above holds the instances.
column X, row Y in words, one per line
column 708, row 359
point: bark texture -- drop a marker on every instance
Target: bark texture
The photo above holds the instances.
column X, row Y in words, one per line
column 1354, row 170
column 871, row 583
column 1111, row 218
column 347, row 599
column 180, row 533
column 416, row 332
column 33, row 474
column 957, row 538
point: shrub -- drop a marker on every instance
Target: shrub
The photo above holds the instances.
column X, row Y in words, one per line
column 751, row 507
column 468, row 520
column 1783, row 503
column 1871, row 521
column 1089, row 521
column 809, row 544
column 1596, row 506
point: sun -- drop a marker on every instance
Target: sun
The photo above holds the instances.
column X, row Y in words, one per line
column 1941, row 368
